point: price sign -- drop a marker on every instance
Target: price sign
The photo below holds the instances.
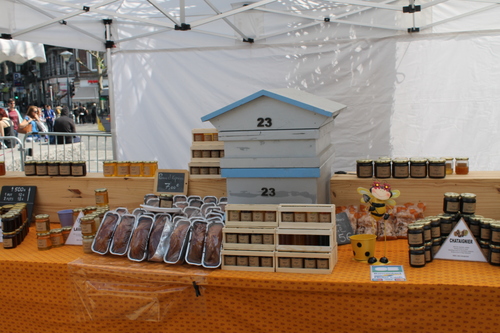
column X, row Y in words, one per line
column 14, row 194
column 171, row 181
column 344, row 228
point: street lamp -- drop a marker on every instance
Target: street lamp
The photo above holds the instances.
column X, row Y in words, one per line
column 66, row 55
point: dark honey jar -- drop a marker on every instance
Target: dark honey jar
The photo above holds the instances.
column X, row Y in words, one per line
column 418, row 167
column 383, row 168
column 364, row 168
column 437, row 168
column 400, row 168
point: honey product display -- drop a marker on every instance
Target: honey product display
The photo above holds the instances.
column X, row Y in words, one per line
column 461, row 165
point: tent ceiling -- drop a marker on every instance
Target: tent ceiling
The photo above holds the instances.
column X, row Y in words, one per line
column 158, row 24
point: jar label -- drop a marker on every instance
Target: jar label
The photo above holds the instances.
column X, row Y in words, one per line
column 436, row 232
column 256, row 239
column 270, row 216
column 428, row 255
column 30, row 169
column 108, row 170
column 383, row 172
column 206, row 153
column 87, row 246
column 42, row 226
column 468, row 207
column 147, row 171
column 234, row 215
column 41, row 169
column 42, row 243
column 196, row 153
column 322, row 264
column 101, row 198
column 401, row 171
column 135, row 170
column 486, row 251
column 415, row 239
column 445, row 228
column 266, row 262
column 123, row 170
column 253, row 261
column 258, row 216
column 300, row 217
column 230, row 260
column 243, row 238
column 427, row 234
column 495, row 236
column 246, row 216
column 231, row 238
column 267, row 239
column 475, row 229
column 417, row 259
column 365, row 171
column 437, row 171
column 65, row 170
column 87, row 228
column 435, row 249
column 53, row 170
column 312, row 217
column 166, row 203
column 495, row 257
column 452, row 206
column 418, row 171
column 325, row 217
column 485, row 233
column 56, row 240
column 287, row 217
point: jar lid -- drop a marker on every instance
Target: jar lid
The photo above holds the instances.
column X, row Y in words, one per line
column 53, row 162
column 435, row 240
column 451, row 195
column 99, row 190
column 446, row 218
column 417, row 248
column 29, row 162
column 41, row 234
column 400, row 160
column 487, row 221
column 67, row 228
column 495, row 224
column 87, row 218
column 418, row 159
column 436, row 160
column 415, row 226
column 468, row 195
column 88, row 237
column 166, row 195
column 41, row 216
column 496, row 247
column 448, row 158
column 364, row 161
column 55, row 231
column 461, row 158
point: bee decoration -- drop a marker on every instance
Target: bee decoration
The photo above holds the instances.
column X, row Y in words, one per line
column 379, row 196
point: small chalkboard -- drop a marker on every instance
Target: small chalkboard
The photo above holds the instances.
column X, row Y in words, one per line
column 171, row 181
column 14, row 194
column 344, row 228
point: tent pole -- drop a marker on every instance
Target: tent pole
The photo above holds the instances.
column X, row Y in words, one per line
column 109, row 45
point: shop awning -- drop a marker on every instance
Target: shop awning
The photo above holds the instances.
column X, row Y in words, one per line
column 86, row 94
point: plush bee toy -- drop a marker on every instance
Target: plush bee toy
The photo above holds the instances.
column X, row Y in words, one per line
column 378, row 196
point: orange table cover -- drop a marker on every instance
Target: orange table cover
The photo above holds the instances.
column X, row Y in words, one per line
column 65, row 290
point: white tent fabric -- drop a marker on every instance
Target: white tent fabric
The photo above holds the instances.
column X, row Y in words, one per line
column 20, row 51
column 429, row 93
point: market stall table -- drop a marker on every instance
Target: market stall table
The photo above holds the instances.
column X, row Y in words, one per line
column 65, row 290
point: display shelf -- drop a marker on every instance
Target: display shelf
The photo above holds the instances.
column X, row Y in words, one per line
column 305, row 240
column 268, row 217
column 254, row 260
column 306, row 262
column 247, row 239
column 301, row 216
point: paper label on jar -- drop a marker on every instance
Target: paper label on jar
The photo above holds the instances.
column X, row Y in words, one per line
column 231, row 238
column 445, row 228
column 270, row 216
column 53, row 170
column 86, row 228
column 452, row 206
column 300, row 217
column 297, row 263
column 266, row 262
column 322, row 264
column 41, row 226
column 7, row 242
column 243, row 238
column 312, row 217
column 495, row 236
column 383, row 172
column 287, row 217
column 77, row 170
column 365, row 171
column 495, row 257
column 42, row 243
column 256, row 239
column 284, row 262
column 123, row 170
column 268, row 239
column 417, row 259
column 468, row 207
column 234, row 215
column 108, row 170
column 418, row 171
column 309, row 263
column 437, row 171
column 415, row 239
column 258, row 216
column 100, row 199
column 401, row 171
column 485, row 233
column 135, row 170
column 246, row 216
column 230, row 260
column 253, row 261
column 325, row 217
column 242, row 261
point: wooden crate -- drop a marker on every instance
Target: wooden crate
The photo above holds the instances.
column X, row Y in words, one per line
column 305, row 240
column 326, row 262
column 252, row 257
column 249, row 234
column 302, row 216
column 206, row 149
column 201, row 131
column 230, row 222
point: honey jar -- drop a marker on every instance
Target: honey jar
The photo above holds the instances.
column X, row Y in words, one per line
column 364, row 168
column 122, row 168
column 461, row 165
column 42, row 223
column 30, row 168
column 101, row 197
column 109, row 168
column 43, row 241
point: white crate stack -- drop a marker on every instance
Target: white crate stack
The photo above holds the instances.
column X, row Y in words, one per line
column 290, row 238
column 277, row 146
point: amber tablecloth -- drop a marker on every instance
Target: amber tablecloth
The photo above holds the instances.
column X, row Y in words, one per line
column 64, row 290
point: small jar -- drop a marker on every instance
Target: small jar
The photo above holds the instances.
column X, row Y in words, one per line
column 136, row 169
column 2, row 168
column 10, row 240
column 53, row 168
column 101, row 197
column 428, row 252
column 418, row 167
column 166, row 200
column 56, row 237
column 400, row 168
column 149, row 168
column 215, row 153
column 467, row 203
column 30, row 168
column 485, row 249
column 123, row 168
column 195, row 170
column 208, row 137
column 475, row 226
column 196, row 153
column 446, row 224
column 451, row 203
column 41, row 168
column 435, row 227
column 417, row 256
column 449, row 165
column 494, row 255
column 364, row 168
column 461, row 165
column 383, row 168
column 415, row 235
column 65, row 232
column 437, row 168
column 426, row 224
column 87, row 243
column 43, row 241
column 197, row 136
column 206, row 153
column 485, row 231
column 9, row 222
column 436, row 245
column 87, row 225
column 495, row 233
column 109, row 168
column 78, row 169
column 65, row 168
column 42, row 223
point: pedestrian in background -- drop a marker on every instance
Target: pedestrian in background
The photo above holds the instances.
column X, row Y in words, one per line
column 14, row 115
column 64, row 124
column 50, row 117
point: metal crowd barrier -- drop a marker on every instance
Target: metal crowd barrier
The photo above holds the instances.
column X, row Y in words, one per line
column 89, row 147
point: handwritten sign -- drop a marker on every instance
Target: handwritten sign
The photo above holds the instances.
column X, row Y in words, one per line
column 171, row 181
column 14, row 194
column 344, row 228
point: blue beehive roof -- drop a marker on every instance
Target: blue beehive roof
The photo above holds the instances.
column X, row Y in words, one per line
column 294, row 97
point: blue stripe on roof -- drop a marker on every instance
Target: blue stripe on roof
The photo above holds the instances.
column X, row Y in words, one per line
column 268, row 94
column 270, row 173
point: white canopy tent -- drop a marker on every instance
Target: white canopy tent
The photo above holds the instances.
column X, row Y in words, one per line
column 20, row 51
column 419, row 78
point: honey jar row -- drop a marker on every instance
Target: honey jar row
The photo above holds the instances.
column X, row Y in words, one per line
column 15, row 224
column 55, row 168
column 129, row 168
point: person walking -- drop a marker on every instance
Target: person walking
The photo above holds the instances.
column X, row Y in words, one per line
column 50, row 117
column 64, row 124
column 14, row 115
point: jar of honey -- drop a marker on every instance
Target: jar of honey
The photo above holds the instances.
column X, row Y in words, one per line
column 437, row 168
column 53, row 168
column 136, row 168
column 123, row 168
column 461, row 165
column 42, row 223
column 383, row 168
column 101, row 197
column 364, row 168
column 449, row 165
column 43, row 241
column 56, row 237
column 400, row 168
column 149, row 168
column 109, row 169
column 30, row 168
column 418, row 167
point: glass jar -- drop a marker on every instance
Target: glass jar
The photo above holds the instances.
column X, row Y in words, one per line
column 65, row 168
column 30, row 168
column 136, row 169
column 485, row 229
column 494, row 258
column 437, row 168
column 383, row 168
column 53, row 168
column 436, row 245
column 166, row 200
column 41, row 168
column 364, row 168
column 101, row 197
column 446, row 224
column 197, row 136
column 123, row 168
column 495, row 233
column 400, row 168
column 78, row 169
column 65, row 232
column 10, row 240
column 426, row 224
column 418, row 167
column 428, row 252
column 449, row 165
column 451, row 203
column 417, row 256
column 475, row 226
column 109, row 169
column 42, row 223
column 56, row 237
column 87, row 243
column 435, row 227
column 467, row 203
column 43, row 241
column 485, row 248
column 415, row 235
column 461, row 165
column 2, row 168
column 149, row 168
column 9, row 222
column 87, row 225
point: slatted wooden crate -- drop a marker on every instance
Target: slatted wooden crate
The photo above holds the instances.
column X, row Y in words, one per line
column 248, row 239
column 305, row 240
column 302, row 216
column 260, row 261
column 306, row 262
column 251, row 216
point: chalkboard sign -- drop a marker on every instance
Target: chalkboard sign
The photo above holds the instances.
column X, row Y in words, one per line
column 14, row 194
column 171, row 181
column 344, row 228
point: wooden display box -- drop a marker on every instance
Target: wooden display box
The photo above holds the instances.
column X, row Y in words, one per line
column 257, row 261
column 300, row 262
column 205, row 167
column 262, row 216
column 301, row 216
column 205, row 135
column 248, row 239
column 305, row 240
